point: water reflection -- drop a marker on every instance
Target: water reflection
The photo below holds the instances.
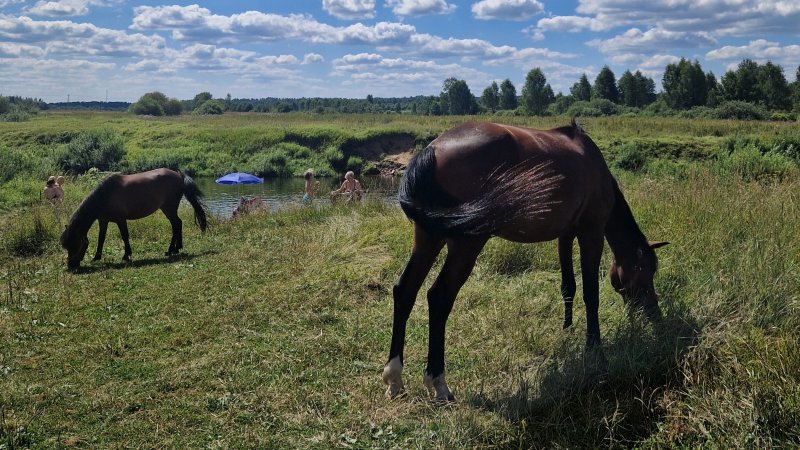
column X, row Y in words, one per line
column 282, row 192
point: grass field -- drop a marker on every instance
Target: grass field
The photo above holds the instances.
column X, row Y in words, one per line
column 272, row 331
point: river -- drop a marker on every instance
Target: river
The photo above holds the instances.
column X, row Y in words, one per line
column 279, row 193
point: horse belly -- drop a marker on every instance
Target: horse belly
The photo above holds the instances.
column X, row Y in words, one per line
column 542, row 227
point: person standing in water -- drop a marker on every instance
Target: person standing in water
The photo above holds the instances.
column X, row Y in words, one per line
column 310, row 187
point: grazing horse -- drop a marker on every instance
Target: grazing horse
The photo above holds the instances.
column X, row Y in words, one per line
column 480, row 180
column 119, row 198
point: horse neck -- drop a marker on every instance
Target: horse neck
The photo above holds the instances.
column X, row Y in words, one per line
column 622, row 232
column 84, row 216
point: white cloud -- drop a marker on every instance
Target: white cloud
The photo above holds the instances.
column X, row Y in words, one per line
column 572, row 24
column 518, row 10
column 652, row 40
column 63, row 8
column 759, row 50
column 726, row 17
column 420, row 7
column 350, row 9
column 312, row 58
column 65, row 37
column 20, row 50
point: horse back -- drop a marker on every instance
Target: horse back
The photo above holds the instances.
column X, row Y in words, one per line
column 558, row 175
column 141, row 194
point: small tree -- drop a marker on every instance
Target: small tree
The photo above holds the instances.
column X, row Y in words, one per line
column 508, row 95
column 605, row 85
column 536, row 93
column 775, row 92
column 797, row 90
column 456, row 98
column 582, row 90
column 173, row 107
column 210, row 107
column 491, row 97
column 201, row 98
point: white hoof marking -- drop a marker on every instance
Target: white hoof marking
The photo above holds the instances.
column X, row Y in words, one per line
column 393, row 377
column 437, row 388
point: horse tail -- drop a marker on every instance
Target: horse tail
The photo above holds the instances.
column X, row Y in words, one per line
column 193, row 194
column 509, row 192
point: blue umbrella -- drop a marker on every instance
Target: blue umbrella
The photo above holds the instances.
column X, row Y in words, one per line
column 239, row 178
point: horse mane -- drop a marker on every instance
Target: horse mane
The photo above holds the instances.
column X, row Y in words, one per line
column 510, row 192
column 85, row 214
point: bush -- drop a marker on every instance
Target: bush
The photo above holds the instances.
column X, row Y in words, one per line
column 629, row 157
column 173, row 107
column 210, row 107
column 31, row 238
column 273, row 163
column 147, row 107
column 782, row 116
column 751, row 165
column 594, row 108
column 355, row 163
column 739, row 110
column 102, row 149
column 11, row 163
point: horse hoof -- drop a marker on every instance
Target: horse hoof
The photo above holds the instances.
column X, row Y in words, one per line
column 392, row 377
column 438, row 390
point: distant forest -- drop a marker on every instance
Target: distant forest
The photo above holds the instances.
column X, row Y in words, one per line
column 751, row 91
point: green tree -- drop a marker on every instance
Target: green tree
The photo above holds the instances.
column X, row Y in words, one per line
column 775, row 92
column 797, row 90
column 743, row 83
column 5, row 105
column 456, row 98
column 210, row 107
column 147, row 106
column 491, row 97
column 605, row 85
column 173, row 107
column 636, row 89
column 582, row 90
column 714, row 97
column 201, row 98
column 536, row 93
column 508, row 95
column 684, row 85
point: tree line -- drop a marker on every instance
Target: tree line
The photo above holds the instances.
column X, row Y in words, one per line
column 751, row 91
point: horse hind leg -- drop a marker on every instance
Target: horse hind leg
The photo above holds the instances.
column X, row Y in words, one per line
column 176, row 243
column 123, row 232
column 461, row 256
column 568, row 287
column 423, row 254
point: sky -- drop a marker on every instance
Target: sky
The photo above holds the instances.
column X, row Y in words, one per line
column 117, row 50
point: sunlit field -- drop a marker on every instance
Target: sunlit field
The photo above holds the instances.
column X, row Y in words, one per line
column 271, row 331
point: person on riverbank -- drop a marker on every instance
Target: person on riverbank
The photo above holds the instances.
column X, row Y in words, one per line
column 53, row 192
column 310, row 186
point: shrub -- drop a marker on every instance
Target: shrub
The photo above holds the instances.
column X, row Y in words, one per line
column 273, row 163
column 32, row 236
column 173, row 107
column 147, row 107
column 629, row 157
column 751, row 165
column 102, row 149
column 594, row 108
column 739, row 110
column 12, row 163
column 781, row 116
column 355, row 163
column 210, row 107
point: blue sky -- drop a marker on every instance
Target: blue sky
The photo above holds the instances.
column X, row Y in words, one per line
column 120, row 49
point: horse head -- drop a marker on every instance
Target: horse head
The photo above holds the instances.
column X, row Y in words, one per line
column 76, row 244
column 632, row 278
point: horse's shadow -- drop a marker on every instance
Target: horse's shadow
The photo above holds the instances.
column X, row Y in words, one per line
column 590, row 399
column 100, row 266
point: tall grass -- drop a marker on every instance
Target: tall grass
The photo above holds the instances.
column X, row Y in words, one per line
column 271, row 331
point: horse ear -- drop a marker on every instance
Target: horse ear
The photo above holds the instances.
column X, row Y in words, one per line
column 655, row 245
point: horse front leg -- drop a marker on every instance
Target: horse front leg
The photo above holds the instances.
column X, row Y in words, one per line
column 423, row 254
column 123, row 232
column 591, row 245
column 567, row 277
column 461, row 256
column 101, row 239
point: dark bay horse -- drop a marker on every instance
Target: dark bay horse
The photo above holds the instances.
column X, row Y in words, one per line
column 119, row 198
column 480, row 180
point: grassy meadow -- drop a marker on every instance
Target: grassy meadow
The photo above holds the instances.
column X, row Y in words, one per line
column 271, row 331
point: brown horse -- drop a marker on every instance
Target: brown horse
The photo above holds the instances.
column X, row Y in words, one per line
column 119, row 198
column 480, row 180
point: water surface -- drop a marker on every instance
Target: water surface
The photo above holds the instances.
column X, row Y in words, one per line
column 279, row 193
